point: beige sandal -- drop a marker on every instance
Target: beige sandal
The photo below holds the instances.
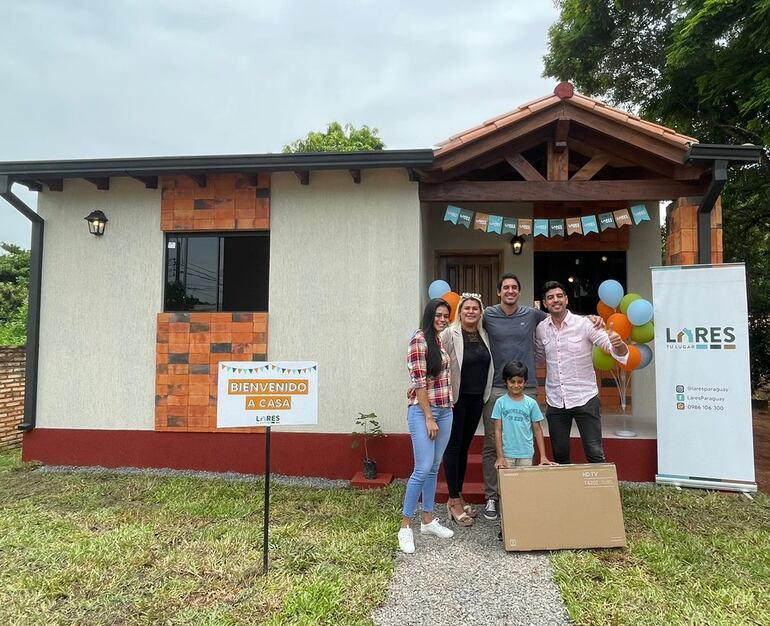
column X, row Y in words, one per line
column 471, row 510
column 461, row 520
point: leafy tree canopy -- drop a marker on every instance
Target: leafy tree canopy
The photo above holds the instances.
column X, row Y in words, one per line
column 14, row 278
column 338, row 139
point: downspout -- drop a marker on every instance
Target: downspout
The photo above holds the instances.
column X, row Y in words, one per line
column 33, row 314
column 706, row 205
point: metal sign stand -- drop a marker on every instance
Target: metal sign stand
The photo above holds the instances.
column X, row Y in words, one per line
column 266, row 522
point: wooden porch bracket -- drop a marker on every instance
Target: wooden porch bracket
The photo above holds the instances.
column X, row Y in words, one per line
column 356, row 175
column 523, row 167
column 102, row 184
column 303, row 177
column 150, row 182
column 590, row 169
column 200, row 179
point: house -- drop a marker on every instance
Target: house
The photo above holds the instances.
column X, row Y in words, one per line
column 327, row 257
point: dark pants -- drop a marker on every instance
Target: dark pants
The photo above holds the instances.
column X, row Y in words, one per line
column 589, row 423
column 467, row 413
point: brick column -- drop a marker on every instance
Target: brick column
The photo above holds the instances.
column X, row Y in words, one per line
column 12, row 370
column 682, row 236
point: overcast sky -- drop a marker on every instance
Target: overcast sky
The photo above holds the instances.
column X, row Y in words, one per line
column 88, row 79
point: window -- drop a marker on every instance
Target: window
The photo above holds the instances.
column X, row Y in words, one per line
column 209, row 272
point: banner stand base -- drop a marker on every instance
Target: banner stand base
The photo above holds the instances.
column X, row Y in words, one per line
column 705, row 483
column 625, row 433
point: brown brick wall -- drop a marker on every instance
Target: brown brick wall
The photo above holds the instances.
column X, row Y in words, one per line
column 682, row 237
column 12, row 371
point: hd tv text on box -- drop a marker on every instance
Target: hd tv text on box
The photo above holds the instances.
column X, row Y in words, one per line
column 268, row 394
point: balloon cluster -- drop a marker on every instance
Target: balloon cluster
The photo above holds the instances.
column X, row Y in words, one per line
column 441, row 289
column 630, row 316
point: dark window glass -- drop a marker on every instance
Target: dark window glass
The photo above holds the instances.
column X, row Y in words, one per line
column 217, row 272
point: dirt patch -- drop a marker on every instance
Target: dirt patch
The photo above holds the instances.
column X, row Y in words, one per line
column 762, row 449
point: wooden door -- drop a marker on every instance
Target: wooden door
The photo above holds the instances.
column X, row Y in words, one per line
column 470, row 272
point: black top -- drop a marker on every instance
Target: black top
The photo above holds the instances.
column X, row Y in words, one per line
column 476, row 358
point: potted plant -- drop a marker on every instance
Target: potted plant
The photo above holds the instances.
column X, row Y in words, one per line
column 367, row 427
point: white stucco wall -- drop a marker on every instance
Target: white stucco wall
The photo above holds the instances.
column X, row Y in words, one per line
column 644, row 253
column 100, row 297
column 345, row 269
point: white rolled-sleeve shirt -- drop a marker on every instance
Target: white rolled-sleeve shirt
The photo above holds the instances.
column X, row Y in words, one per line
column 570, row 379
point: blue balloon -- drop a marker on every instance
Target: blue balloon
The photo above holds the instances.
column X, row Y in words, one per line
column 639, row 312
column 438, row 288
column 611, row 293
column 646, row 352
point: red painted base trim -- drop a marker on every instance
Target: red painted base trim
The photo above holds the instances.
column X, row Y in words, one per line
column 297, row 454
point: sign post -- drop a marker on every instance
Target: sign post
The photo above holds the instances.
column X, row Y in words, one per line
column 266, row 393
column 703, row 389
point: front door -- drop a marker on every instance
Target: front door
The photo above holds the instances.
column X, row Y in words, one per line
column 472, row 272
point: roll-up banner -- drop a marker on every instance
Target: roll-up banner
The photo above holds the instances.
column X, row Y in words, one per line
column 703, row 389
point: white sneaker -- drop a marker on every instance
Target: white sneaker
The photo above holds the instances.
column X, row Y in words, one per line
column 406, row 540
column 490, row 511
column 434, row 528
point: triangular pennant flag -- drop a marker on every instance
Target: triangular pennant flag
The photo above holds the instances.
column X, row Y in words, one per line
column 452, row 213
column 557, row 228
column 622, row 218
column 589, row 224
column 639, row 211
column 465, row 217
column 541, row 228
column 525, row 227
column 606, row 221
column 495, row 224
column 509, row 225
column 481, row 221
column 573, row 226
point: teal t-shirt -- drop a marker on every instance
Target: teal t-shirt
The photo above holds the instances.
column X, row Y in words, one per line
column 517, row 416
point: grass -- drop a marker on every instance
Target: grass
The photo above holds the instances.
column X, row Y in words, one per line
column 693, row 557
column 105, row 548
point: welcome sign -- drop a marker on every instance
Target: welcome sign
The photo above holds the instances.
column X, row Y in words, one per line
column 267, row 393
column 703, row 379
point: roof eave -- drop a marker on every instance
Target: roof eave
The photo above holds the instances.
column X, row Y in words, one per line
column 734, row 155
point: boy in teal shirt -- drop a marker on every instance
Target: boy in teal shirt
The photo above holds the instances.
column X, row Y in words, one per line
column 517, row 422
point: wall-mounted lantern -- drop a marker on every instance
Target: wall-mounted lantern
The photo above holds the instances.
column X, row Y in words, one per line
column 96, row 222
column 517, row 244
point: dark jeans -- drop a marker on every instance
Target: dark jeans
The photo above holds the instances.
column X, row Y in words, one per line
column 589, row 423
column 467, row 413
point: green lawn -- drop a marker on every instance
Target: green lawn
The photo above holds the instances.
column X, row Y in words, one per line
column 693, row 557
column 104, row 548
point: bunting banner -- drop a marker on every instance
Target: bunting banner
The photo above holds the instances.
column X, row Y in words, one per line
column 573, row 226
column 481, row 221
column 509, row 225
column 590, row 225
column 541, row 228
column 639, row 213
column 465, row 218
column 495, row 224
column 606, row 221
column 452, row 213
column 557, row 228
column 622, row 218
column 525, row 227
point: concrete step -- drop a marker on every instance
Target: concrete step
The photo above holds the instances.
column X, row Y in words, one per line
column 473, row 471
column 472, row 492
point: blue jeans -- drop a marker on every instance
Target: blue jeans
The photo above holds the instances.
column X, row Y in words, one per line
column 427, row 456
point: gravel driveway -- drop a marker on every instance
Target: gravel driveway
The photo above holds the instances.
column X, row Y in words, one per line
column 470, row 579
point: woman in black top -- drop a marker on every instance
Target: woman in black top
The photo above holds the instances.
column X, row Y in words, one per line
column 471, row 369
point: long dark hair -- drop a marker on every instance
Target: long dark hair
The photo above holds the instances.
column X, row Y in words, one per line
column 433, row 356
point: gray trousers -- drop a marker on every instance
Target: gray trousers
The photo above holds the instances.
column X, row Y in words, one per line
column 489, row 454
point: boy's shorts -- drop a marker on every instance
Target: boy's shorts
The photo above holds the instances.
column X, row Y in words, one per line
column 509, row 463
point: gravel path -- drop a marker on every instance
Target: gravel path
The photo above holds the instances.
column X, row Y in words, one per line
column 470, row 579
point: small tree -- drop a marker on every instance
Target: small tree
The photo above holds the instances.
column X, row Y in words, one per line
column 14, row 278
column 338, row 139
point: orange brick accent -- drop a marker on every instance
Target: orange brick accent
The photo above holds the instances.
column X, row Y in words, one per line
column 227, row 202
column 682, row 237
column 186, row 370
column 608, row 391
column 12, row 373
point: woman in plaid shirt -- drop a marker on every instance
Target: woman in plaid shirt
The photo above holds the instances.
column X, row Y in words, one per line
column 430, row 421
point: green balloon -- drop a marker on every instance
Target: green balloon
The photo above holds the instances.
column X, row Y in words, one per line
column 602, row 360
column 626, row 300
column 643, row 333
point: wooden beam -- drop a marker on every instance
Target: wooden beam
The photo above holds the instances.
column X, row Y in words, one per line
column 560, row 138
column 414, row 175
column 100, row 183
column 589, row 170
column 55, row 184
column 150, row 182
column 303, row 177
column 584, row 141
column 523, row 167
column 558, row 163
column 356, row 175
column 550, row 191
column 200, row 179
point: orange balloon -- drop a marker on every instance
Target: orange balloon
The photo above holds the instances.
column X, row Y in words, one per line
column 634, row 359
column 604, row 311
column 452, row 299
column 620, row 324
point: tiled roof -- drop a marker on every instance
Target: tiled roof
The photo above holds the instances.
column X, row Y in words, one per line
column 564, row 93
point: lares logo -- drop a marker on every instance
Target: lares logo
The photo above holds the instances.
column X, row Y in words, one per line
column 701, row 338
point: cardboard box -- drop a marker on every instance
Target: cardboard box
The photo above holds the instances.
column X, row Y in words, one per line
column 564, row 506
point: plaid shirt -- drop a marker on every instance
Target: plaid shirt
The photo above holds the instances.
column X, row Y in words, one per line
column 439, row 387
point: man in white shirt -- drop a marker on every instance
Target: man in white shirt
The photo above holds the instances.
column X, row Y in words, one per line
column 565, row 341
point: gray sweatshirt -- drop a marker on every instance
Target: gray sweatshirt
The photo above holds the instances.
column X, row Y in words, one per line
column 512, row 338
